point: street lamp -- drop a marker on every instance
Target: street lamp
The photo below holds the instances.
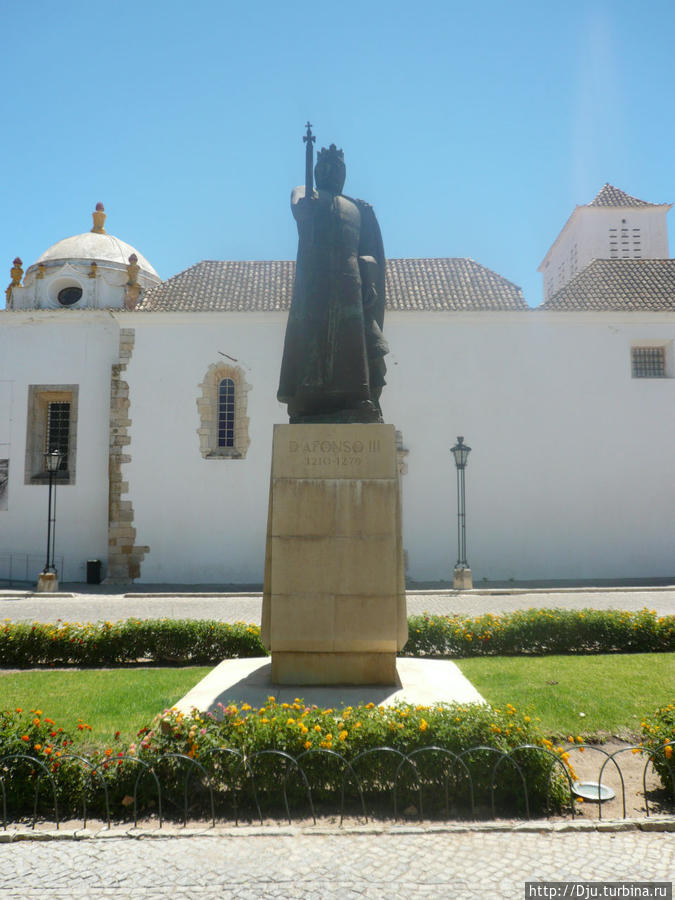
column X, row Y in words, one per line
column 462, row 574
column 48, row 579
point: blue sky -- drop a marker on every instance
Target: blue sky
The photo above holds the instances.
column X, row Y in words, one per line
column 473, row 129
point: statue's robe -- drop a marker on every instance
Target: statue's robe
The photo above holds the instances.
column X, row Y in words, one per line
column 334, row 349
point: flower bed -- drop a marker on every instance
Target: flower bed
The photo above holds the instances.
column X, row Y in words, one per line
column 456, row 750
column 658, row 734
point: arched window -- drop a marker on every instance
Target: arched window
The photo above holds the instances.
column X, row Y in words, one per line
column 226, row 413
column 223, row 423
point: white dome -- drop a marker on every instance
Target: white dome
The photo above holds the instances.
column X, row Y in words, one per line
column 93, row 246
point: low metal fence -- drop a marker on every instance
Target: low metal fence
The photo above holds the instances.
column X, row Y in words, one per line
column 24, row 568
column 230, row 775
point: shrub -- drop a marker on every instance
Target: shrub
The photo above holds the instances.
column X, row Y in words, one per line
column 172, row 641
column 541, row 631
column 31, row 745
column 658, row 734
column 192, row 642
column 324, row 740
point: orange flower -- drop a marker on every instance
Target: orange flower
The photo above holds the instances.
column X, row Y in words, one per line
column 424, row 725
column 108, row 752
column 668, row 751
column 37, row 747
column 24, row 737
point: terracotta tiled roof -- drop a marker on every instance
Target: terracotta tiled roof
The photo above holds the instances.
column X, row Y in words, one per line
column 612, row 196
column 448, row 284
column 620, row 285
column 260, row 286
column 227, row 286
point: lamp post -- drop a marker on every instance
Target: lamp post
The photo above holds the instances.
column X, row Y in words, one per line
column 48, row 578
column 461, row 580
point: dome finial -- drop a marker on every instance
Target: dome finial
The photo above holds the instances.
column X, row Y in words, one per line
column 99, row 219
column 133, row 288
column 17, row 274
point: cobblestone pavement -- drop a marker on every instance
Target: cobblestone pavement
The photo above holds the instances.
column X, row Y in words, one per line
column 285, row 864
column 200, row 604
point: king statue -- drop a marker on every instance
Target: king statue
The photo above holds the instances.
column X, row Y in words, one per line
column 333, row 363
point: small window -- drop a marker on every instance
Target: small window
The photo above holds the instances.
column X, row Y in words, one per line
column 51, row 424
column 226, row 413
column 58, row 430
column 67, row 296
column 648, row 362
column 223, row 423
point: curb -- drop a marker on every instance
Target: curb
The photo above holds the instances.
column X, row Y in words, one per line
column 663, row 824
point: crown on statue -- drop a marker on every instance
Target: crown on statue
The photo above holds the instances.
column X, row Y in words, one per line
column 332, row 153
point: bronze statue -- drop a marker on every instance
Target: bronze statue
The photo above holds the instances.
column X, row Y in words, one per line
column 333, row 364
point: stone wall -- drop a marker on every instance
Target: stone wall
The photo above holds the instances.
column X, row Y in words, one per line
column 124, row 556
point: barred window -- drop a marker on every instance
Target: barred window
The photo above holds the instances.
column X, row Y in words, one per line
column 226, row 413
column 51, row 424
column 649, row 362
column 58, row 431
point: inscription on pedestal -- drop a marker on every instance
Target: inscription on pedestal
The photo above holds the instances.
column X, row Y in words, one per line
column 357, row 452
column 334, row 453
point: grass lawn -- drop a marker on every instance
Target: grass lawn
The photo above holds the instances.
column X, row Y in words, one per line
column 109, row 700
column 613, row 690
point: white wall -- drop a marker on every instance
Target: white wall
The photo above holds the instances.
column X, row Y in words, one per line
column 588, row 229
column 203, row 519
column 63, row 347
column 570, row 476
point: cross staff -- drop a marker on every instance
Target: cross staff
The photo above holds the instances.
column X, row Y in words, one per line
column 309, row 140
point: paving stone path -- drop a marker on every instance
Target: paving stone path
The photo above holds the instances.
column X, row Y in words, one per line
column 194, row 603
column 287, row 864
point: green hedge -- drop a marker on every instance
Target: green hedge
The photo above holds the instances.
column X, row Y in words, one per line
column 540, row 632
column 33, row 746
column 191, row 642
column 162, row 641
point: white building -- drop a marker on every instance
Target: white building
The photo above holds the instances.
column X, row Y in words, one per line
column 163, row 395
column 613, row 225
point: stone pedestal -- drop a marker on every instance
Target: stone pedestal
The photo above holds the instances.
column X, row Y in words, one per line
column 462, row 580
column 47, row 582
column 334, row 597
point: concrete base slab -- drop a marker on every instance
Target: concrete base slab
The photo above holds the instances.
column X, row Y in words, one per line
column 47, row 583
column 462, row 580
column 325, row 668
column 419, row 681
